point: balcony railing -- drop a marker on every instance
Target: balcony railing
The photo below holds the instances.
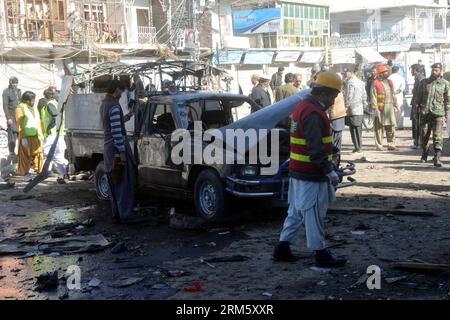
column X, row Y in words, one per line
column 146, row 35
column 382, row 39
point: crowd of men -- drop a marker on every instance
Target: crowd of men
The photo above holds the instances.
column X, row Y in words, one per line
column 316, row 137
column 32, row 129
column 378, row 96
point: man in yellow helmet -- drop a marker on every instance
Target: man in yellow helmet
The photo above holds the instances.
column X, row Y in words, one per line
column 312, row 175
column 30, row 136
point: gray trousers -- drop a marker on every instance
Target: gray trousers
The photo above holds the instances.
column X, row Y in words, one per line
column 356, row 133
column 308, row 205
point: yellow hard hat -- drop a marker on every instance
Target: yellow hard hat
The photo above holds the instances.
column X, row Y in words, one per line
column 329, row 79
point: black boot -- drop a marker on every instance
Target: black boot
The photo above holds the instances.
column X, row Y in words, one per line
column 283, row 253
column 324, row 259
column 424, row 156
column 437, row 159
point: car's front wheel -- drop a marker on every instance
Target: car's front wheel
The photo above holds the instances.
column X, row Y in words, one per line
column 211, row 199
column 101, row 182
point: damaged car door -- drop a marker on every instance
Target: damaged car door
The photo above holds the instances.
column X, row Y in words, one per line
column 155, row 167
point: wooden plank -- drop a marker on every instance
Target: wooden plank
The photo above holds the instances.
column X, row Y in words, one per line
column 398, row 212
column 410, row 266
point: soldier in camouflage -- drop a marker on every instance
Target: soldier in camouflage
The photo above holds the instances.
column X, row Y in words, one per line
column 433, row 103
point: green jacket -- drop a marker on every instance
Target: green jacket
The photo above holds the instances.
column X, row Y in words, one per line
column 50, row 119
column 277, row 81
column 285, row 91
column 433, row 96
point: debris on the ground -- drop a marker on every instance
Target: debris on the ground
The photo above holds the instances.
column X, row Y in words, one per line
column 63, row 296
column 94, row 283
column 399, row 212
column 175, row 273
column 212, row 244
column 421, row 267
column 207, row 263
column 54, row 254
column 80, row 228
column 395, row 279
column 358, row 233
column 88, row 222
column 321, row 270
column 362, row 279
column 218, row 230
column 159, row 286
column 17, row 215
column 7, row 185
column 321, row 283
column 233, row 258
column 78, row 244
column 181, row 221
column 47, row 281
column 267, row 294
column 21, row 197
column 127, row 282
column 223, row 233
column 196, row 287
column 362, row 226
column 118, row 248
column 80, row 177
column 446, row 195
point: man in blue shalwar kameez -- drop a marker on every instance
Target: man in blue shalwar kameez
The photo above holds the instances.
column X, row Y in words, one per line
column 119, row 162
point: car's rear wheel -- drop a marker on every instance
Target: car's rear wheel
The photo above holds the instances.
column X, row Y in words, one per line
column 3, row 139
column 211, row 199
column 101, row 182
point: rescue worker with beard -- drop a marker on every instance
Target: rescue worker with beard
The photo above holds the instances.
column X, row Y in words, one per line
column 312, row 176
column 30, row 136
column 50, row 120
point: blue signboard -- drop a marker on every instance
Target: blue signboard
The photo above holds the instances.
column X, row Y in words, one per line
column 259, row 57
column 228, row 57
column 257, row 21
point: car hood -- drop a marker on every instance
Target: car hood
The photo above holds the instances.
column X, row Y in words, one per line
column 268, row 117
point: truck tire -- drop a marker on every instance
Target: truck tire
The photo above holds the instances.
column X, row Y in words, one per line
column 101, row 182
column 211, row 199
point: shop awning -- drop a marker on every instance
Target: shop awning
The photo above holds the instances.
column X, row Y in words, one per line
column 287, row 56
column 343, row 56
column 259, row 57
column 312, row 57
column 395, row 48
column 228, row 57
column 371, row 55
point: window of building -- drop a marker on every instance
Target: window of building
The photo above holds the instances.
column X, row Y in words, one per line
column 438, row 22
column 304, row 25
column 350, row 28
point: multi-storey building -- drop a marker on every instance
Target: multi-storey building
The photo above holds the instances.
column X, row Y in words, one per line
column 402, row 30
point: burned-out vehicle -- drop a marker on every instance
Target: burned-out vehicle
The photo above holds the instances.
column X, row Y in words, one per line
column 161, row 168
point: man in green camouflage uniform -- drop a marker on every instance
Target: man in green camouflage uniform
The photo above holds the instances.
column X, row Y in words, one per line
column 433, row 103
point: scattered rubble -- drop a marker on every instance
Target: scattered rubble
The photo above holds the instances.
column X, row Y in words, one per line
column 47, row 281
column 94, row 283
column 196, row 287
column 127, row 282
column 233, row 258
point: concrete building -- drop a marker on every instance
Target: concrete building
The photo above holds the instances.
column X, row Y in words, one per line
column 402, row 30
column 40, row 39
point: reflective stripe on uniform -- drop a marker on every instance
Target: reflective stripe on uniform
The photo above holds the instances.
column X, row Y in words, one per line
column 302, row 141
column 303, row 158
